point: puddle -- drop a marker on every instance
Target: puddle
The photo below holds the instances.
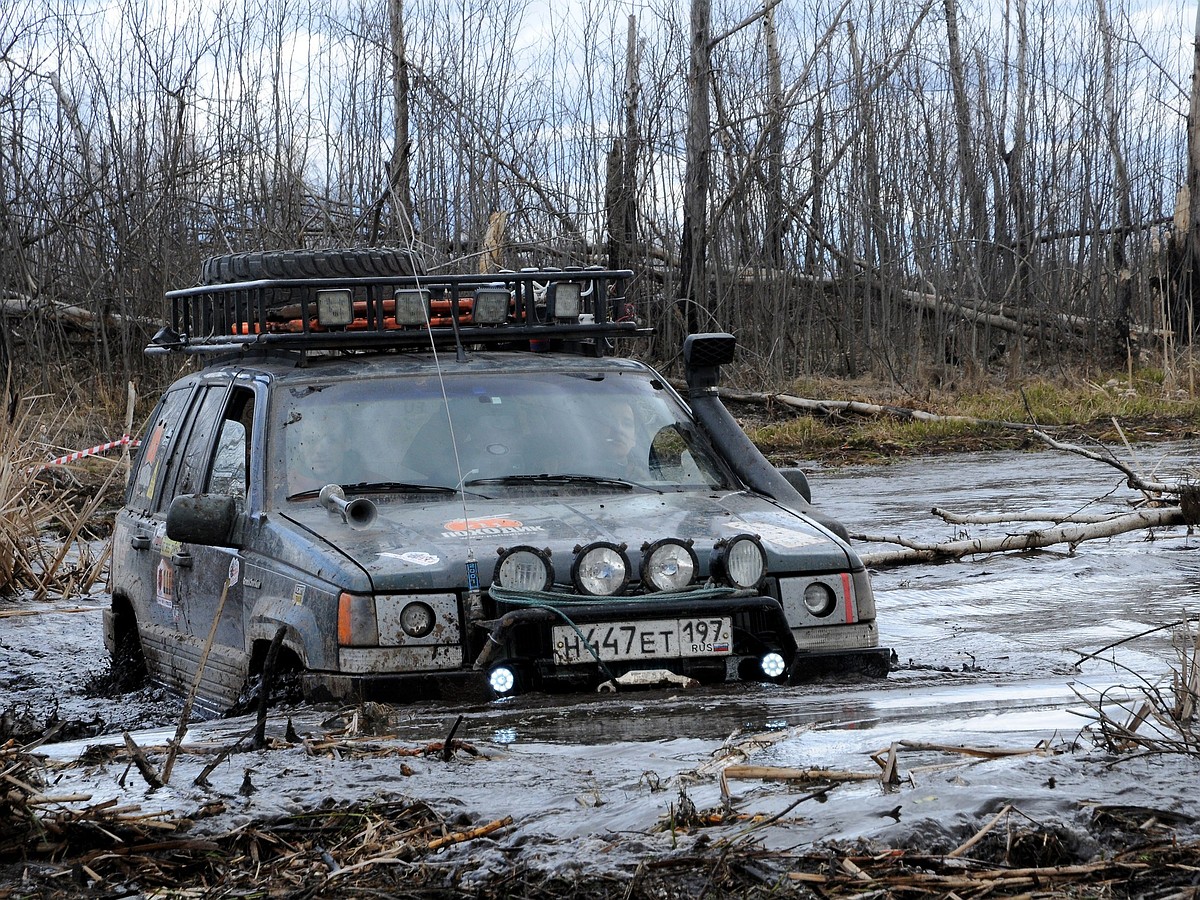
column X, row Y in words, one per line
column 991, row 654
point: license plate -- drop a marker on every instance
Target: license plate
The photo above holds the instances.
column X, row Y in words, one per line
column 663, row 638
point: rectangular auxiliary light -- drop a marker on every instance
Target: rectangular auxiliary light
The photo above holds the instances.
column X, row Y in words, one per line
column 491, row 305
column 412, row 306
column 335, row 308
column 564, row 301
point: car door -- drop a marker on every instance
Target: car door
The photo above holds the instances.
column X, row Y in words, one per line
column 207, row 580
column 139, row 572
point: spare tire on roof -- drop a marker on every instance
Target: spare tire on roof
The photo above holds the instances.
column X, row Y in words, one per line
column 367, row 262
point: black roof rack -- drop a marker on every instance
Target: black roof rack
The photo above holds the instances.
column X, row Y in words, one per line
column 372, row 313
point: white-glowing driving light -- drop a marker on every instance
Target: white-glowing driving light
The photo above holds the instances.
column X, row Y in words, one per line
column 491, row 306
column 740, row 561
column 668, row 565
column 819, row 599
column 417, row 620
column 335, row 308
column 600, row 569
column 412, row 306
column 773, row 665
column 564, row 301
column 502, row 679
column 524, row 569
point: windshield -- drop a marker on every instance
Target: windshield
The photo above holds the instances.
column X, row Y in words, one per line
column 490, row 434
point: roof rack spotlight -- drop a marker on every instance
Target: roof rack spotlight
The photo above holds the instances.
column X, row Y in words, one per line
column 491, row 305
column 412, row 306
column 564, row 301
column 335, row 307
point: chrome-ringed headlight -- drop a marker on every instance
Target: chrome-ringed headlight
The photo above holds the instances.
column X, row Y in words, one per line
column 601, row 569
column 524, row 568
column 668, row 565
column 739, row 561
column 819, row 599
column 417, row 619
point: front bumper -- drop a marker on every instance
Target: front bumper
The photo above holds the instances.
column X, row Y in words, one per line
column 519, row 639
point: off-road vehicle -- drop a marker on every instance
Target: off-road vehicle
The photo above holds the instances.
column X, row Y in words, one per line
column 415, row 484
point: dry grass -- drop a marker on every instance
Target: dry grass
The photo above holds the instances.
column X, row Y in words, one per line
column 46, row 545
column 1147, row 407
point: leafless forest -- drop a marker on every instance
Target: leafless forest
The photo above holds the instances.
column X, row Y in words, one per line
column 902, row 189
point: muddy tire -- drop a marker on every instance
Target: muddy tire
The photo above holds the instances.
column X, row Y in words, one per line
column 128, row 661
column 374, row 262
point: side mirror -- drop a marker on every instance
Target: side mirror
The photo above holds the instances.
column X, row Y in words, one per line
column 797, row 479
column 206, row 519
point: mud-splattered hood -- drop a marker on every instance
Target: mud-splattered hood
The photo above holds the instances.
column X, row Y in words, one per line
column 415, row 545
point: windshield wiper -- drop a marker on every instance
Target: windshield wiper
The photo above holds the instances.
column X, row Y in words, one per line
column 383, row 487
column 558, row 479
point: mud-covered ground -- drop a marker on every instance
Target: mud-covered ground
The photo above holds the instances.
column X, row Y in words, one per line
column 622, row 795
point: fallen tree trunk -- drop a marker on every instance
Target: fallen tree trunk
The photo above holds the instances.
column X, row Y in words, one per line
column 830, row 407
column 1071, row 535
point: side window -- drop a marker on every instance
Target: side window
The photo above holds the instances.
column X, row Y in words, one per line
column 186, row 470
column 231, row 462
column 157, row 445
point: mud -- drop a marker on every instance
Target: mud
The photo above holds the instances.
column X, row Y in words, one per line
column 993, row 653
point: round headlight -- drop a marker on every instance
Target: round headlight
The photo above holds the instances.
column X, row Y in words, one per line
column 819, row 599
column 741, row 561
column 417, row 620
column 524, row 569
column 600, row 569
column 668, row 565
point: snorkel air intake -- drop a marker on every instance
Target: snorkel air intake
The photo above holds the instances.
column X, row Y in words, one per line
column 703, row 356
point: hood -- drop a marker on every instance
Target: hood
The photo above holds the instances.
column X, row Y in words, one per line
column 422, row 545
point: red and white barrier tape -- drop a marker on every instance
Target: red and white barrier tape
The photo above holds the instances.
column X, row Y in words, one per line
column 90, row 451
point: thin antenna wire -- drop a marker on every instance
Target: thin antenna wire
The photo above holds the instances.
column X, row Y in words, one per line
column 437, row 364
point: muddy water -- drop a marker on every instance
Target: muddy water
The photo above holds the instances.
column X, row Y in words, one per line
column 992, row 653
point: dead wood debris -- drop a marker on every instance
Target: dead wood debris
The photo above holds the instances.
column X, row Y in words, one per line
column 1162, row 717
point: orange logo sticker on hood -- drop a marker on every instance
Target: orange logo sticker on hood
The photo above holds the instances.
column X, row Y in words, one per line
column 487, row 525
column 485, row 522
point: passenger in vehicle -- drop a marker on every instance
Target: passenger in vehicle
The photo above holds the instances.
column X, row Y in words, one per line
column 627, row 451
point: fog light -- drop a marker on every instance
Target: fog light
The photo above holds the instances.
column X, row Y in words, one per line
column 417, row 620
column 819, row 599
column 524, row 569
column 502, row 680
column 740, row 561
column 601, row 569
column 668, row 565
column 773, row 665
column 335, row 309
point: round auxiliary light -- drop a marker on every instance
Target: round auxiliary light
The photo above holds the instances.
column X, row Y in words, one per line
column 524, row 568
column 502, row 679
column 740, row 561
column 600, row 569
column 819, row 599
column 668, row 565
column 773, row 665
column 417, row 620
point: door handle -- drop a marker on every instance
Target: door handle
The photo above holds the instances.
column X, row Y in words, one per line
column 140, row 542
column 182, row 560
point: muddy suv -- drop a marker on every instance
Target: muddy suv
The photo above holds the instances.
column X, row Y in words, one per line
column 414, row 485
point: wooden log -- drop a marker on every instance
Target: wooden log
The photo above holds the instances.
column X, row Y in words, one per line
column 779, row 773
